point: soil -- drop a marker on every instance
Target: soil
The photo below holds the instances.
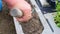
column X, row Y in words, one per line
column 33, row 26
column 6, row 22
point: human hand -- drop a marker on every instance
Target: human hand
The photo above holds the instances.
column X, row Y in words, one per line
column 22, row 5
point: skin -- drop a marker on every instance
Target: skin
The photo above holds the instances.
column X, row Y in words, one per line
column 22, row 5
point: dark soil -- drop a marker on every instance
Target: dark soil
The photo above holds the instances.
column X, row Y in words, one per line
column 33, row 26
column 6, row 22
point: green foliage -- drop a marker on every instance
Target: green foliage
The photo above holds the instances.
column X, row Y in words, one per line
column 57, row 17
column 58, row 24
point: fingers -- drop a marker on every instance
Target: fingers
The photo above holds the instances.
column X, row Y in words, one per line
column 27, row 16
column 26, row 8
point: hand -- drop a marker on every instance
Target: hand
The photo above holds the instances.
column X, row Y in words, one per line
column 27, row 16
column 26, row 8
column 22, row 5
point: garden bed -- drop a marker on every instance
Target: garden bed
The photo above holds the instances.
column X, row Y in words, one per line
column 7, row 26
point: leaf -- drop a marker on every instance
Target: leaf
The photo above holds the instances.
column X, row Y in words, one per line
column 58, row 24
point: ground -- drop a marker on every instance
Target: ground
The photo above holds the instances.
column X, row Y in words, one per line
column 33, row 26
column 6, row 22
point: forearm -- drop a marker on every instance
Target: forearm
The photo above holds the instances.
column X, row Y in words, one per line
column 22, row 4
